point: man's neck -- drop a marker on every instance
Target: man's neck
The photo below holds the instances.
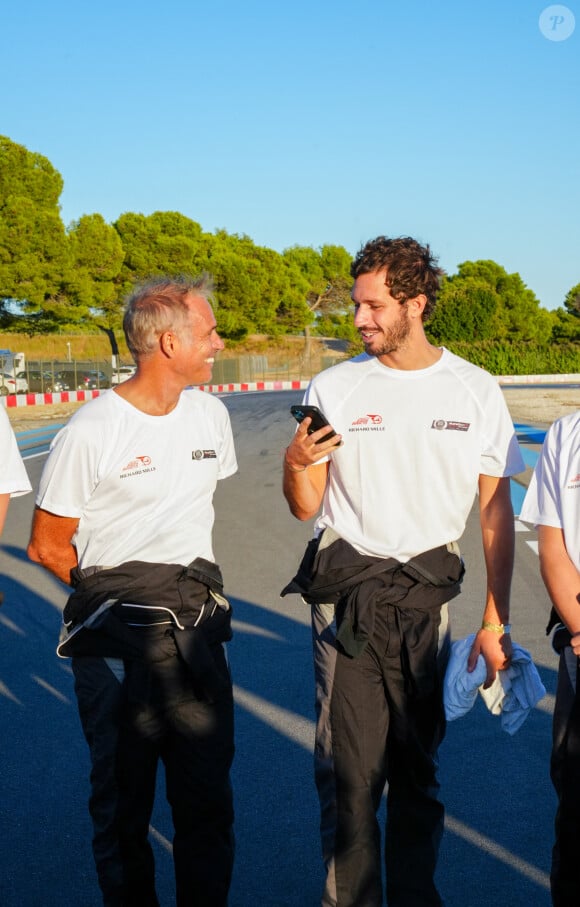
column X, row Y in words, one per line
column 412, row 357
column 150, row 396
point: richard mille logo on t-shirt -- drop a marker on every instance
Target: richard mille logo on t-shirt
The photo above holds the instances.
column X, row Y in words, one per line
column 136, row 467
column 574, row 483
column 449, row 425
column 203, row 455
column 368, row 422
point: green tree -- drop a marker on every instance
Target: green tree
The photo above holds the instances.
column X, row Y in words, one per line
column 482, row 301
column 34, row 252
column 565, row 326
column 165, row 242
column 572, row 301
column 465, row 310
column 97, row 256
column 257, row 292
column 327, row 275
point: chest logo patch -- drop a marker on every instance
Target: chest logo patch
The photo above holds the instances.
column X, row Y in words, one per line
column 449, row 425
column 203, row 455
column 368, row 422
column 137, row 466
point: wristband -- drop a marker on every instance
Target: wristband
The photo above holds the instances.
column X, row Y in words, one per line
column 290, row 466
column 496, row 628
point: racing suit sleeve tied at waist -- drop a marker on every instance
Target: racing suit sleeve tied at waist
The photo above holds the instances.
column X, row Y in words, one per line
column 332, row 571
column 149, row 612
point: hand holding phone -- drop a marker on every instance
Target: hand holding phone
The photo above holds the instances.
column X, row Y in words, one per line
column 317, row 419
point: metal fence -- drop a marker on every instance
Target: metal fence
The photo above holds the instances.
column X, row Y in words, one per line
column 53, row 376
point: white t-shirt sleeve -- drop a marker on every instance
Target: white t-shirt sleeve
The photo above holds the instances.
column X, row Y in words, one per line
column 227, row 455
column 70, row 474
column 13, row 476
column 501, row 455
column 543, row 500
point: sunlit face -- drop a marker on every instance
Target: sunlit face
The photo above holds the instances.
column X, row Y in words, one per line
column 199, row 342
column 381, row 320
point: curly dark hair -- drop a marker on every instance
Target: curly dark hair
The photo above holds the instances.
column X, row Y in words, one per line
column 410, row 267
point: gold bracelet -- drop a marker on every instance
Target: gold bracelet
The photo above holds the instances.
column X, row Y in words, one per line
column 289, row 464
column 496, row 628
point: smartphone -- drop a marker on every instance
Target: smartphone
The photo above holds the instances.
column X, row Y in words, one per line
column 318, row 418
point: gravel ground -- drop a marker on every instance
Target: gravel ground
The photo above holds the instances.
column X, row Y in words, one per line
column 538, row 406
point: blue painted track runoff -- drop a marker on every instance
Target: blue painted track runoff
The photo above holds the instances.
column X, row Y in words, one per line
column 527, row 435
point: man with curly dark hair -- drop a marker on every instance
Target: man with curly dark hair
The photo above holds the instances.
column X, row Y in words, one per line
column 419, row 432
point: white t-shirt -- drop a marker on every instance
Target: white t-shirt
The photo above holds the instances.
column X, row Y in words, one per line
column 141, row 486
column 414, row 445
column 553, row 495
column 13, row 477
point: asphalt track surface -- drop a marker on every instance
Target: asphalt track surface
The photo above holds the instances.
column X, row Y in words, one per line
column 496, row 788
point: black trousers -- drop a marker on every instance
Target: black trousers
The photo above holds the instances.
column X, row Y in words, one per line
column 134, row 715
column 565, row 773
column 385, row 725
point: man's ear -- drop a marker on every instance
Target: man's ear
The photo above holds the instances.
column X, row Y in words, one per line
column 416, row 306
column 167, row 343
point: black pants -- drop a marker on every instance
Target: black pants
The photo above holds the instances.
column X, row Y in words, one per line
column 565, row 772
column 130, row 721
column 384, row 725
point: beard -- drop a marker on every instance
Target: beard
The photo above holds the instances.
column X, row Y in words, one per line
column 391, row 339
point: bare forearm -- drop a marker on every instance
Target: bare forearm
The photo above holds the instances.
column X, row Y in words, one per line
column 305, row 476
column 498, row 546
column 560, row 577
column 302, row 490
column 497, row 533
column 4, row 502
column 498, row 538
column 51, row 544
column 58, row 563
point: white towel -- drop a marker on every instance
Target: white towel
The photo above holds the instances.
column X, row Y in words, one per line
column 513, row 694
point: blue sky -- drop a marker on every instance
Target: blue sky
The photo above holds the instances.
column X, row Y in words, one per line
column 313, row 122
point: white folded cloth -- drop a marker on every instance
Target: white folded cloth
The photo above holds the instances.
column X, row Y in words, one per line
column 513, row 694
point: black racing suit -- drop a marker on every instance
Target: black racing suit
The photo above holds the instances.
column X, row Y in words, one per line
column 152, row 682
column 379, row 715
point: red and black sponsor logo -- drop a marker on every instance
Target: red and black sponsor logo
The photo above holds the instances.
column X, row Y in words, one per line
column 449, row 425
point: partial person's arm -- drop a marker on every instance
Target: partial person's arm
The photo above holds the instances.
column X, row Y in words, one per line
column 4, row 502
column 305, row 479
column 51, row 543
column 497, row 532
column 561, row 579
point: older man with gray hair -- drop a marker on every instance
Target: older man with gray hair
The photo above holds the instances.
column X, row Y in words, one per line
column 124, row 515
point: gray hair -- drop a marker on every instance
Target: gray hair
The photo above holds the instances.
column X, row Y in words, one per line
column 158, row 305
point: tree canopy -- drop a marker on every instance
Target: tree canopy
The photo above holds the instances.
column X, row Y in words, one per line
column 483, row 302
column 56, row 278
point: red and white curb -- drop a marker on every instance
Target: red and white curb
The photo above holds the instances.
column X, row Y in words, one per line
column 18, row 400
column 81, row 396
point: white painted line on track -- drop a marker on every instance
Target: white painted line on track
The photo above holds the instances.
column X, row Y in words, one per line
column 500, row 853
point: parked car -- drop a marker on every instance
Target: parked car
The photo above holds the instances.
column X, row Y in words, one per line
column 38, row 382
column 13, row 385
column 83, row 379
column 63, row 381
column 92, row 379
column 123, row 373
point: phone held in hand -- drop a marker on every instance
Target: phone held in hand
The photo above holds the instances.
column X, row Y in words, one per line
column 319, row 420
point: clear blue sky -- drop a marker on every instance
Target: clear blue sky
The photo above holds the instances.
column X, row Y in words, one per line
column 312, row 122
